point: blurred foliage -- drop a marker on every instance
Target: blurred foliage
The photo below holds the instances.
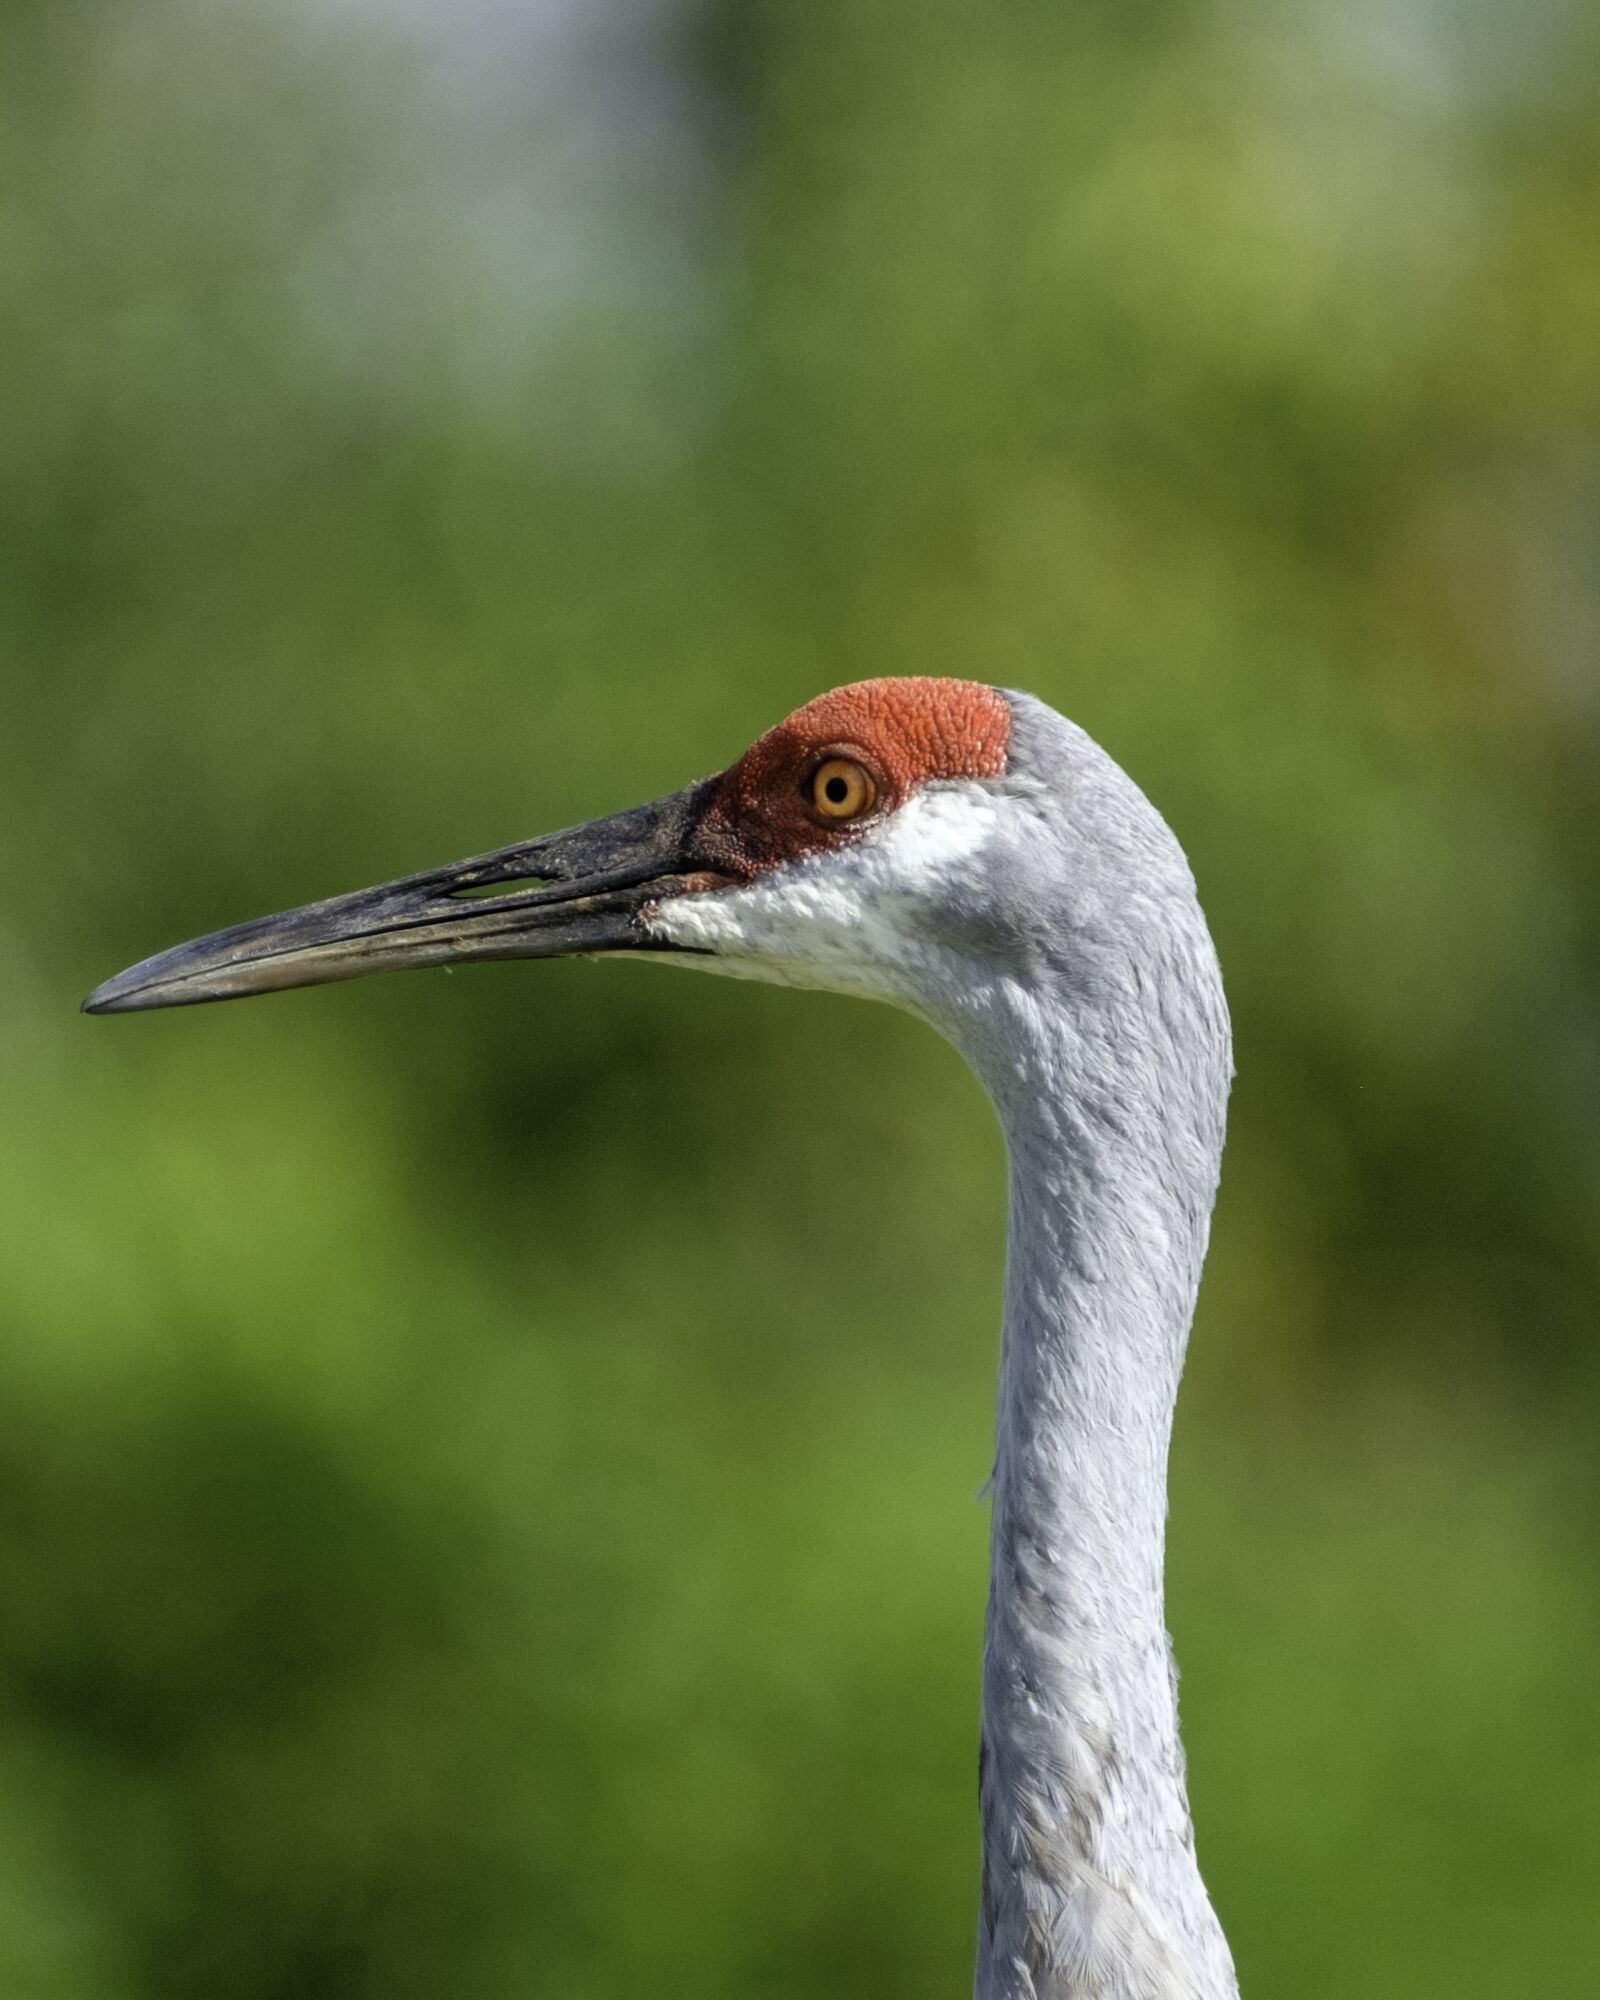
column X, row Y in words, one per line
column 486, row 1463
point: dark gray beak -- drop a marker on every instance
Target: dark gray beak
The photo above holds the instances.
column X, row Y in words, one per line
column 568, row 894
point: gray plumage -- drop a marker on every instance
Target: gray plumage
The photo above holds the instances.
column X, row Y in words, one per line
column 1046, row 922
column 1105, row 1047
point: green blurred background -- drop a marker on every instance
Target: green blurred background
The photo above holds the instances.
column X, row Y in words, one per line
column 487, row 1462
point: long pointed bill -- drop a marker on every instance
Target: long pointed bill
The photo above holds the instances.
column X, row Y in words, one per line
column 567, row 894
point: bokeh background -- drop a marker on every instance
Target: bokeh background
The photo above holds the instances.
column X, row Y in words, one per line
column 487, row 1463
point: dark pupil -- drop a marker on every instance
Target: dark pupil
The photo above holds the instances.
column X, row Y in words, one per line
column 837, row 790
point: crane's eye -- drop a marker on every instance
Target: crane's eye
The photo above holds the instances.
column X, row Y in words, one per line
column 842, row 789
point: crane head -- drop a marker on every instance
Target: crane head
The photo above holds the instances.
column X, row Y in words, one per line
column 877, row 834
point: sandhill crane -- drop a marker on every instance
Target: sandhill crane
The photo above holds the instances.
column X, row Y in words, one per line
column 970, row 855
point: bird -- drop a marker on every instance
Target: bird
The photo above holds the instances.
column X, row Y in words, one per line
column 970, row 855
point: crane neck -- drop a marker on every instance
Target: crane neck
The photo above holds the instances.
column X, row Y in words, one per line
column 1113, row 1107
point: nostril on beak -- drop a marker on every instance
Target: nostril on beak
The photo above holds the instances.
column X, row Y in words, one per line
column 507, row 885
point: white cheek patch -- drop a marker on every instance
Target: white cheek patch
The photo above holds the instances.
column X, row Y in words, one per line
column 937, row 831
column 849, row 919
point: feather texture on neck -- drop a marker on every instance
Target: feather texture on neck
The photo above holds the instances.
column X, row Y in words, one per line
column 1114, row 1124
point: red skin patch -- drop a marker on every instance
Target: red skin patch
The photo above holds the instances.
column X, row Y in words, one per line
column 903, row 731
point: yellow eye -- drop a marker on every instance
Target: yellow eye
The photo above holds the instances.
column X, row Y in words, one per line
column 841, row 789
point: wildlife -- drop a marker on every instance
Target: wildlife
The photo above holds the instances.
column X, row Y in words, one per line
column 971, row 856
